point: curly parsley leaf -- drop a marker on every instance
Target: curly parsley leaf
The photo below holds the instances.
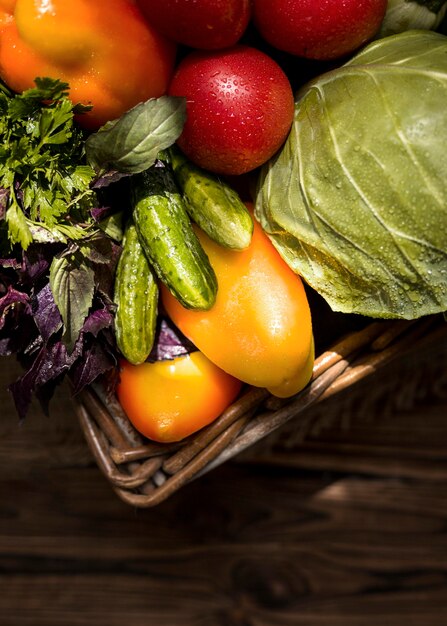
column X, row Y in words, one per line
column 42, row 162
column 19, row 231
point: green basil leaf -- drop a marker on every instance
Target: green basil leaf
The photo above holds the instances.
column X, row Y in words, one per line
column 72, row 284
column 356, row 201
column 131, row 143
column 112, row 226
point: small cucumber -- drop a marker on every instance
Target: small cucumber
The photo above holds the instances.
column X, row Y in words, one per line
column 168, row 239
column 212, row 203
column 136, row 297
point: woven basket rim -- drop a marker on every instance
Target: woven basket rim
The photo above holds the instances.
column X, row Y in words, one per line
column 145, row 473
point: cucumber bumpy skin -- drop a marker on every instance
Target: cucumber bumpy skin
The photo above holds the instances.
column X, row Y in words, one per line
column 136, row 297
column 212, row 204
column 168, row 239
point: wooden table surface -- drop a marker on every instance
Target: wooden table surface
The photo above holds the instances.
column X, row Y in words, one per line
column 245, row 545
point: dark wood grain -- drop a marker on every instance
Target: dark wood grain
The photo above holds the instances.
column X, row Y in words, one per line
column 393, row 423
column 245, row 545
column 41, row 441
column 242, row 546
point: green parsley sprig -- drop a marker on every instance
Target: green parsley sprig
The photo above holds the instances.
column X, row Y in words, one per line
column 42, row 165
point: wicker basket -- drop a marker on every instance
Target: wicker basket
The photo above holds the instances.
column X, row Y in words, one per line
column 143, row 473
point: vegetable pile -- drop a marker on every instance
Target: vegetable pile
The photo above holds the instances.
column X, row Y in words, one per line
column 169, row 197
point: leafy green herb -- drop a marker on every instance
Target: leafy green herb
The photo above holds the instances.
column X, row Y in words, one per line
column 131, row 143
column 18, row 227
column 356, row 202
column 42, row 162
column 403, row 15
column 113, row 226
column 61, row 221
column 72, row 283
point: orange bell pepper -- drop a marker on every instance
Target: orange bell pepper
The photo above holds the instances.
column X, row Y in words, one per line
column 107, row 52
column 260, row 329
column 169, row 400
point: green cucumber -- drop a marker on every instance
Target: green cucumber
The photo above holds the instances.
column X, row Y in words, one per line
column 168, row 239
column 136, row 297
column 212, row 204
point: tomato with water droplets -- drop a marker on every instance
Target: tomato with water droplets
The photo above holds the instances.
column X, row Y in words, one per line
column 202, row 24
column 318, row 30
column 239, row 106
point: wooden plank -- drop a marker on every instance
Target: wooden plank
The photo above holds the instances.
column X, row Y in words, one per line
column 246, row 545
column 408, row 443
column 243, row 546
column 95, row 599
column 41, row 440
column 392, row 424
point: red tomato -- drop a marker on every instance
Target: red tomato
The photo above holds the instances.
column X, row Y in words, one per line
column 168, row 400
column 239, row 108
column 207, row 24
column 318, row 30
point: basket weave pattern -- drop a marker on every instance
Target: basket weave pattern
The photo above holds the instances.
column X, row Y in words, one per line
column 144, row 473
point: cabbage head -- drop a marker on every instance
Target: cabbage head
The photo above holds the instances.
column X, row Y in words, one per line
column 356, row 200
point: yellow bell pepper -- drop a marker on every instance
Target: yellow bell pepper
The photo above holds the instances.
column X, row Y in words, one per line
column 260, row 328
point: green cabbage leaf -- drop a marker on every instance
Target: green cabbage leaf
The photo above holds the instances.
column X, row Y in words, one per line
column 356, row 200
column 404, row 15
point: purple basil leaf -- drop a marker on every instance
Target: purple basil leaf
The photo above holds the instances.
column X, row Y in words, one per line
column 112, row 176
column 51, row 362
column 9, row 301
column 37, row 261
column 105, row 274
column 54, row 360
column 98, row 250
column 33, row 346
column 22, row 389
column 100, row 212
column 45, row 393
column 169, row 342
column 46, row 314
column 108, row 342
column 94, row 363
column 12, row 296
column 10, row 264
column 97, row 321
column 10, row 344
column 18, row 332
